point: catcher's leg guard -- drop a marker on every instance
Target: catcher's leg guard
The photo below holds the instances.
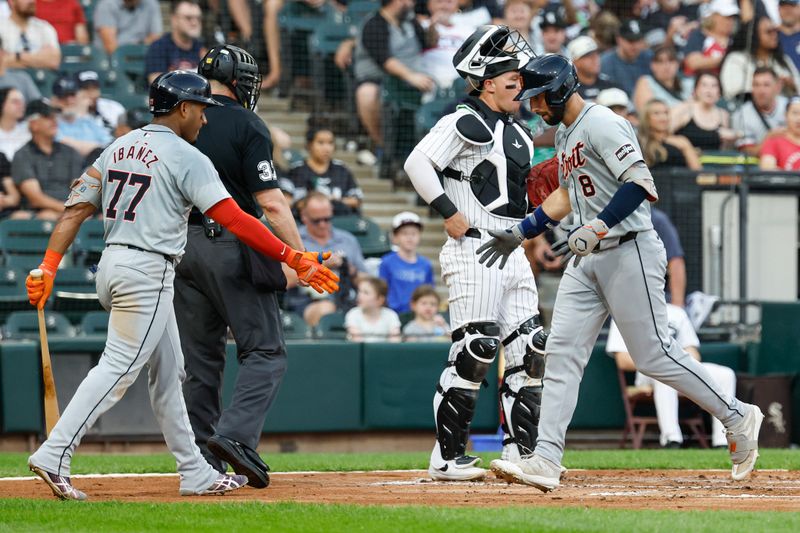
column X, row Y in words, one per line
column 475, row 347
column 521, row 392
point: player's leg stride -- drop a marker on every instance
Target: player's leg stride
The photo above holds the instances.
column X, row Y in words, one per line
column 474, row 350
column 743, row 442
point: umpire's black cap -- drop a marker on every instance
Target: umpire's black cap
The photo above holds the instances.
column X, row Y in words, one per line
column 172, row 88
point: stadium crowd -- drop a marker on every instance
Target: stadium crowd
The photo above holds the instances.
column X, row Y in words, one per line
column 694, row 77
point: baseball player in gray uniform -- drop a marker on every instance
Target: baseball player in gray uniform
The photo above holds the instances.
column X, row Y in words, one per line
column 482, row 156
column 145, row 183
column 619, row 268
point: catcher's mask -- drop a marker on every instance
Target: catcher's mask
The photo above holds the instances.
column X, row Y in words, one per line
column 488, row 52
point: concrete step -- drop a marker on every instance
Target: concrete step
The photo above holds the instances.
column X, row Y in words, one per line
column 370, row 186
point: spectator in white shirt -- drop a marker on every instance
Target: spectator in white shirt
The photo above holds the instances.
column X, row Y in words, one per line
column 14, row 133
column 28, row 42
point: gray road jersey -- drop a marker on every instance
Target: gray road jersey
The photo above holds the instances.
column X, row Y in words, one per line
column 151, row 179
column 593, row 152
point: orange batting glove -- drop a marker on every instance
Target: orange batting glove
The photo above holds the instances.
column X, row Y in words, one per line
column 310, row 269
column 40, row 288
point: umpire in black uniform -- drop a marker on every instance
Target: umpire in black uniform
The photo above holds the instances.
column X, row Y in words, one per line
column 222, row 283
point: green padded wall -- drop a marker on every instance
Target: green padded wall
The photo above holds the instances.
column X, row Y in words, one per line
column 399, row 383
column 725, row 354
column 321, row 390
column 21, row 387
column 780, row 349
column 599, row 399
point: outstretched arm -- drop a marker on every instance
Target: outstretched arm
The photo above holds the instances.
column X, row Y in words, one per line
column 253, row 233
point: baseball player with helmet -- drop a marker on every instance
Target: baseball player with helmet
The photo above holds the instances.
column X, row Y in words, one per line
column 472, row 169
column 145, row 183
column 222, row 283
column 618, row 268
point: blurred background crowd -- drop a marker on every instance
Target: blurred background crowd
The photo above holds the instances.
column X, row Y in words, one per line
column 350, row 86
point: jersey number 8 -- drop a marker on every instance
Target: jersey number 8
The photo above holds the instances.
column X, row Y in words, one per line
column 122, row 178
column 586, row 185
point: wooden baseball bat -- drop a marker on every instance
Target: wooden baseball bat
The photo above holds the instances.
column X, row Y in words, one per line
column 51, row 412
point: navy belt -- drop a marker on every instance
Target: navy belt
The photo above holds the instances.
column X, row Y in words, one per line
column 132, row 247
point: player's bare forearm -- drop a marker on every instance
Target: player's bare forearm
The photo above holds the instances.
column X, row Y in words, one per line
column 68, row 225
column 557, row 205
column 279, row 215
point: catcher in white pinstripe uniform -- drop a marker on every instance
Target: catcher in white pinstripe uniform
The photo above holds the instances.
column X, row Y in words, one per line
column 472, row 168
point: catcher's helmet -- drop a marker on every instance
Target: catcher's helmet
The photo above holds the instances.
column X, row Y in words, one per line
column 551, row 74
column 172, row 88
column 235, row 68
column 489, row 52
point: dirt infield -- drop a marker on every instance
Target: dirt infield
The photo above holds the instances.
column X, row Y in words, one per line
column 624, row 489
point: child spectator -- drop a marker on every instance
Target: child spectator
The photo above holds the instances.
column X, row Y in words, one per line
column 404, row 270
column 370, row 321
column 428, row 324
column 320, row 172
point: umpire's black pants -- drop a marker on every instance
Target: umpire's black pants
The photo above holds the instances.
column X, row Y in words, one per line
column 214, row 291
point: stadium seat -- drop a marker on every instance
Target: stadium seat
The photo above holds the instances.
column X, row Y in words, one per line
column 13, row 296
column 24, row 325
column 75, row 293
column 23, row 242
column 95, row 323
column 294, row 327
column 400, row 104
column 331, row 95
column 429, row 114
column 371, row 238
column 89, row 243
column 331, row 327
column 43, row 78
column 359, row 10
column 128, row 59
column 78, row 57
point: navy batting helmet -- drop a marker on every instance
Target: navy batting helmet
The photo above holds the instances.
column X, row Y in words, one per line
column 172, row 88
column 551, row 74
column 235, row 68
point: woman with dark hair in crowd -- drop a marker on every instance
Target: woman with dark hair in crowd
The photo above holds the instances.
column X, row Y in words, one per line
column 701, row 120
column 662, row 149
column 321, row 172
column 664, row 83
column 782, row 150
column 13, row 132
column 756, row 45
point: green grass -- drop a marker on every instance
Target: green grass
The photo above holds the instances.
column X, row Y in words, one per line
column 14, row 464
column 26, row 515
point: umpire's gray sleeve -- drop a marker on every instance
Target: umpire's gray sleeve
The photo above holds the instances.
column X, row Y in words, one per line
column 426, row 181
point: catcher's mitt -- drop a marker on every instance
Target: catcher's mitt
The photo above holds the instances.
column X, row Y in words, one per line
column 542, row 180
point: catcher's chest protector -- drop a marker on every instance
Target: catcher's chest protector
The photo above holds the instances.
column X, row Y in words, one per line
column 511, row 200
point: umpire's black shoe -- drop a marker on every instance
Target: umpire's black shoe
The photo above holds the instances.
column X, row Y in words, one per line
column 242, row 458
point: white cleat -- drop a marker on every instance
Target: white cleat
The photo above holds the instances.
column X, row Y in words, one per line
column 509, row 471
column 462, row 468
column 743, row 442
column 534, row 471
column 223, row 484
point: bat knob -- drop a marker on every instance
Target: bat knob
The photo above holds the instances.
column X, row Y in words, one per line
column 37, row 273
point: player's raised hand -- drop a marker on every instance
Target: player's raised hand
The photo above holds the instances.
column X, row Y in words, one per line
column 310, row 269
column 500, row 246
column 584, row 239
column 39, row 284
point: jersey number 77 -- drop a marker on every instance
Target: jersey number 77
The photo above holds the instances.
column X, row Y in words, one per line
column 122, row 179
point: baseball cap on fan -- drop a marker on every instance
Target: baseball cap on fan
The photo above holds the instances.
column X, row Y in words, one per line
column 581, row 46
column 552, row 19
column 88, row 78
column 613, row 97
column 404, row 219
column 631, row 30
column 726, row 8
column 39, row 108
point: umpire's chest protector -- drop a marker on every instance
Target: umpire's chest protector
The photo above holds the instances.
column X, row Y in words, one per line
column 512, row 147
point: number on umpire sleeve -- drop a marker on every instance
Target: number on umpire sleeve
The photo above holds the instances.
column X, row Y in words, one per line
column 266, row 172
column 586, row 185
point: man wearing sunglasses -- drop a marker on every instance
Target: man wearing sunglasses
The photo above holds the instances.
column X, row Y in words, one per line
column 347, row 261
